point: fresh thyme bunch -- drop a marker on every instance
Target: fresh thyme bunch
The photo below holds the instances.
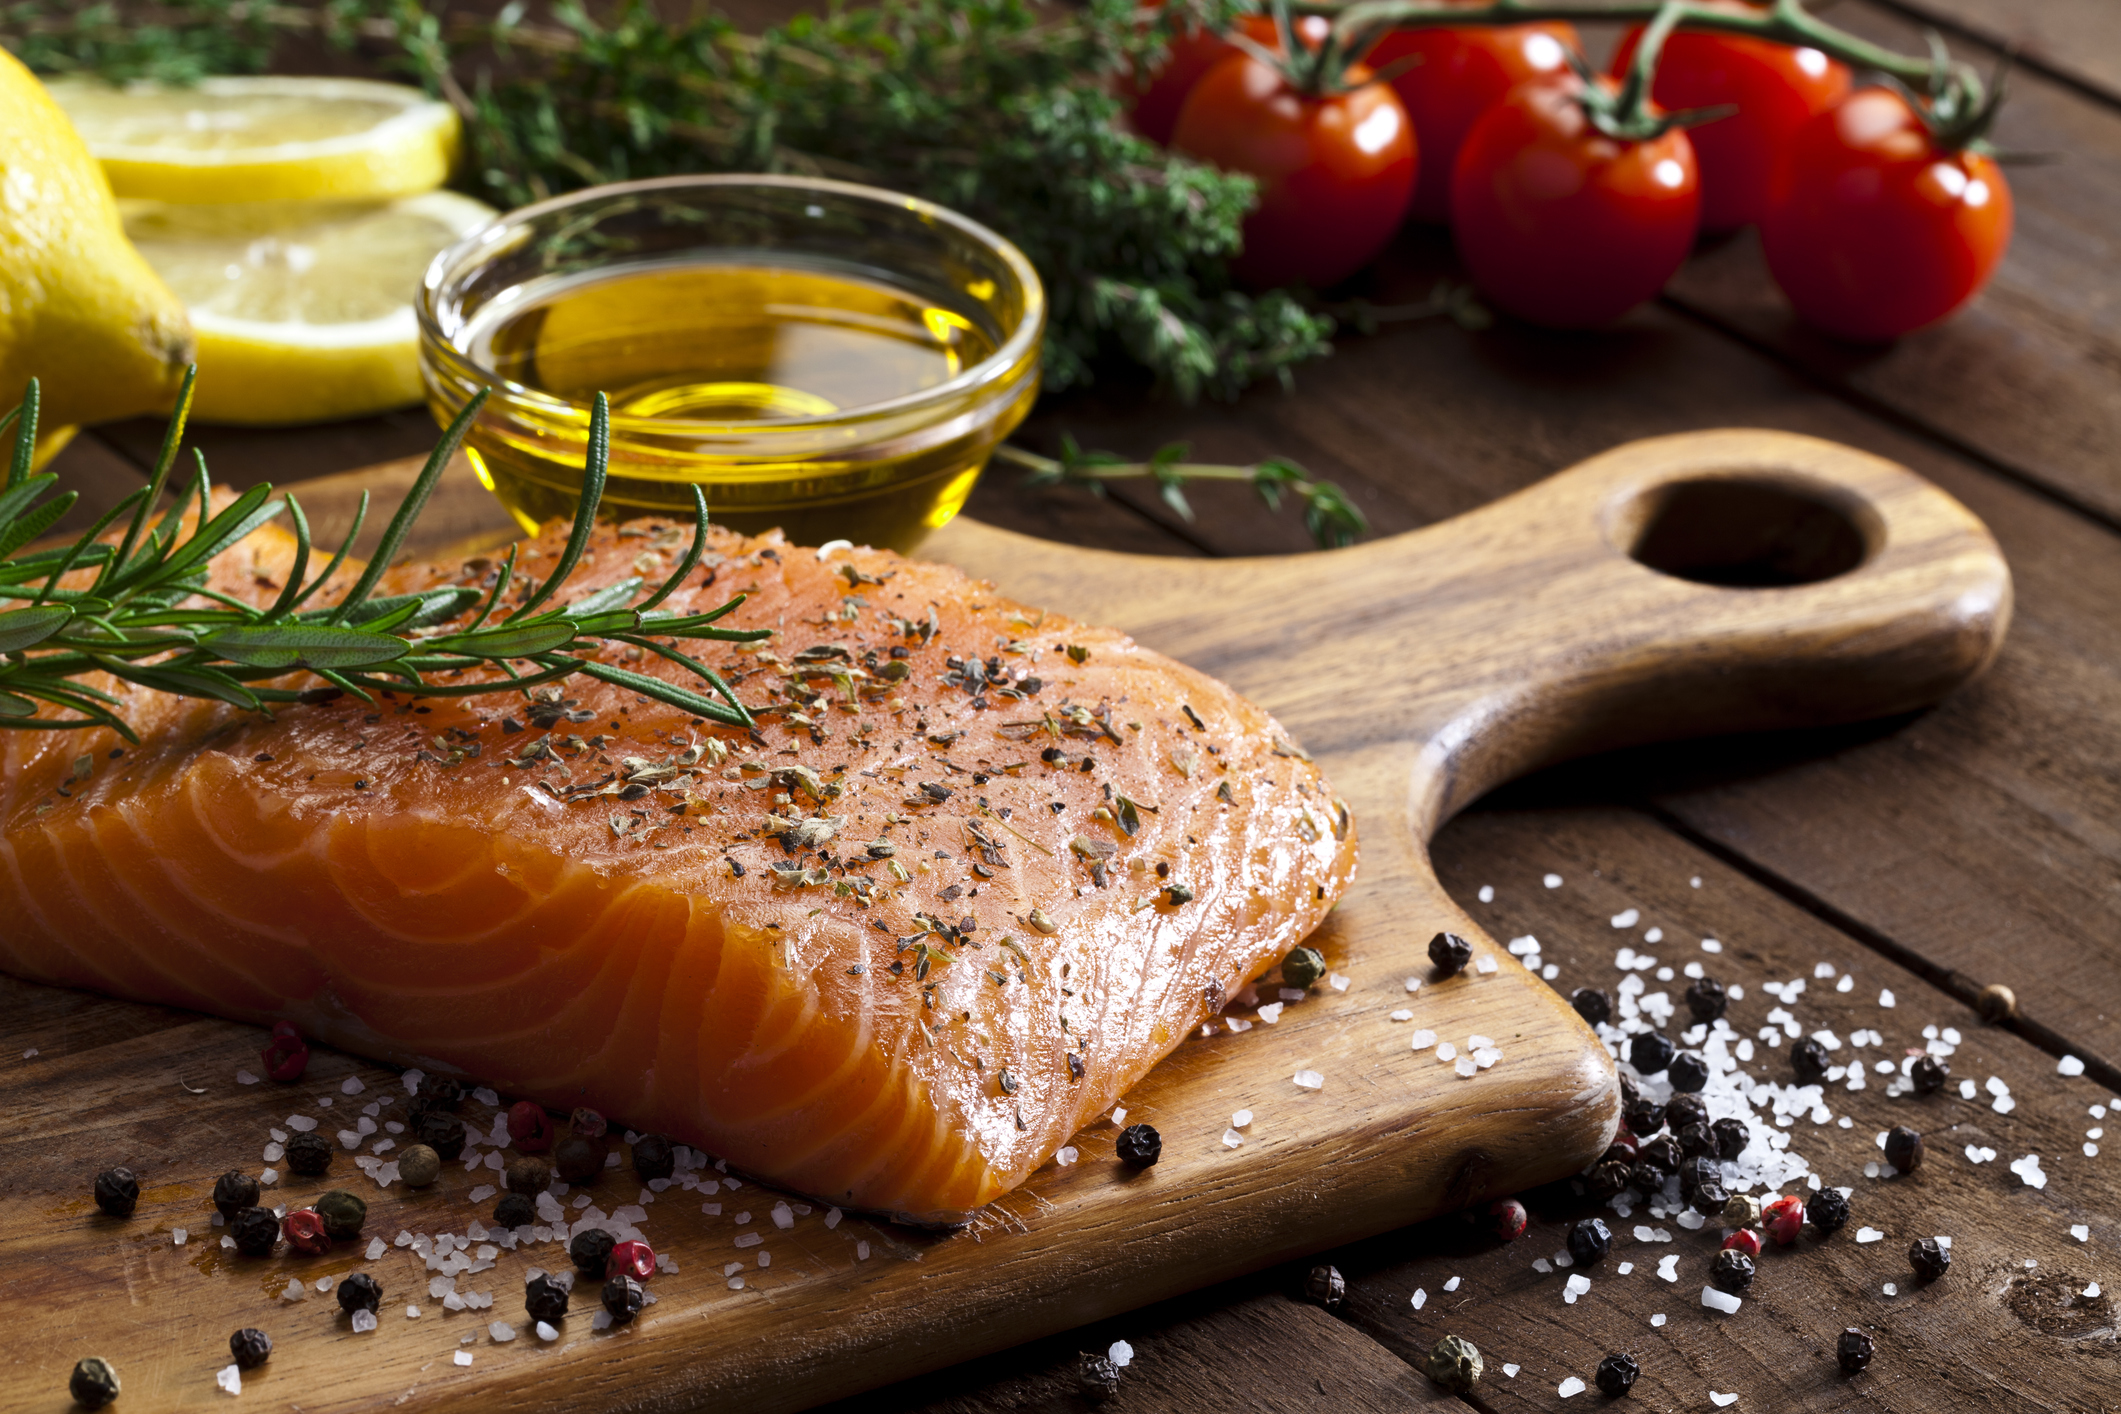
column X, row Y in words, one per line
column 149, row 617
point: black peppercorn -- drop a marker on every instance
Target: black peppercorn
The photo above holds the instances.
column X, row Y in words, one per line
column 1697, row 1141
column 1303, row 967
column 255, row 1231
column 1853, row 1350
column 1608, row 1178
column 1808, row 1059
column 1689, row 1073
column 117, row 1192
column 1630, row 1092
column 1709, row 1197
column 653, row 1157
column 531, row 1176
column 309, row 1154
column 1695, row 1172
column 1731, row 1137
column 1731, row 1272
column 233, row 1191
column 514, row 1210
column 1930, row 1258
column 250, row 1348
column 93, row 1384
column 624, row 1298
column 1325, row 1287
column 1651, row 1052
column 1592, row 1005
column 1623, row 1150
column 1661, row 1153
column 1450, row 953
column 579, row 1159
column 1644, row 1118
column 591, row 1251
column 1140, row 1146
column 360, row 1292
column 1683, row 1110
column 1616, row 1374
column 1929, row 1074
column 544, row 1298
column 439, row 1092
column 343, row 1214
column 1589, row 1241
column 1827, row 1211
column 1096, row 1377
column 1707, row 1000
column 1903, row 1148
column 1648, row 1178
column 442, row 1132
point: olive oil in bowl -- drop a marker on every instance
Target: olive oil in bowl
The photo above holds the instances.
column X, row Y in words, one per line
column 842, row 377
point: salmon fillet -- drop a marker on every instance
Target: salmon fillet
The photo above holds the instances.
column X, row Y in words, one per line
column 975, row 872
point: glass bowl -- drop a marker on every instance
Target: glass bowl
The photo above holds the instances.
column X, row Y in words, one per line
column 696, row 257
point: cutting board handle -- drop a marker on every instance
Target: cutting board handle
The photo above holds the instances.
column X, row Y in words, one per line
column 1690, row 585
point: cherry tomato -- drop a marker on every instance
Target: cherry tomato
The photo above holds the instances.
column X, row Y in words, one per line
column 1560, row 224
column 1335, row 171
column 1881, row 231
column 1776, row 89
column 1191, row 54
column 1461, row 74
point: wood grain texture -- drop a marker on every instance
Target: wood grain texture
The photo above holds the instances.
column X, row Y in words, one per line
column 1520, row 634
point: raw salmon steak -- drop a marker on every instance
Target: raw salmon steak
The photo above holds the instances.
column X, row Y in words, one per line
column 977, row 869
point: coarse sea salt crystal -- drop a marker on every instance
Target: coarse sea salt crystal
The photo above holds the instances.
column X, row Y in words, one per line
column 1485, row 965
column 1420, row 1297
column 861, row 1251
column 1402, row 1015
column 1240, row 1119
column 1065, row 1155
column 1271, row 1012
column 1487, row 893
column 1658, row 1319
column 463, row 1357
column 352, row 1086
column 487, row 1097
column 1467, row 1067
column 1624, row 1268
column 177, row 1236
column 1446, row 1051
column 2092, row 1291
column 2069, row 1065
column 1308, row 1080
column 301, row 1122
column 1552, row 881
column 375, row 1248
column 2028, row 1170
column 783, row 1216
column 1627, row 918
column 2081, row 1231
column 1669, row 1268
column 1885, row 998
column 230, row 1379
column 1413, row 984
column 294, row 1291
column 1121, row 1354
column 1422, row 1040
column 1569, row 1388
column 243, row 1077
column 546, row 1332
column 832, row 1218
column 1869, row 1234
column 1711, row 945
column 1722, row 1401
column 1231, row 1139
column 1338, row 981
column 1452, row 1284
column 1720, row 1300
column 1577, row 1286
column 1510, row 1371
column 749, row 1239
column 1541, row 1264
column 1890, row 1289
column 364, row 1321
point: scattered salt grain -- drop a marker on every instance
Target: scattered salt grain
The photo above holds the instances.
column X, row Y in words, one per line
column 1966, row 1089
column 765, row 1259
column 1570, row 1387
column 749, row 1239
column 2069, row 1065
column 1541, row 1264
column 1869, row 1234
column 1402, row 1015
column 1885, row 998
column 2028, row 1170
column 481, row 1193
column 1292, row 994
column 1241, row 1119
column 1338, row 981
column 1121, row 1354
column 2092, row 1291
column 1422, row 1040
column 1711, row 945
column 1510, row 1371
column 230, row 1378
column 1452, row 1284
column 177, row 1236
column 832, row 1218
column 1722, row 1401
column 1487, row 893
column 294, row 1291
column 1668, row 1268
column 1658, row 1319
column 1065, row 1155
column 1624, row 1268
column 1485, row 966
column 1578, row 1285
column 301, row 1122
column 364, row 1321
column 1627, row 918
column 1306, row 1080
column 1975, row 1154
column 1720, row 1300
column 463, row 1357
column 486, row 1096
column 783, row 1216
column 1231, row 1139
column 1890, row 1289
column 1413, row 984
column 352, row 1086
column 861, row 1251
column 243, row 1077
column 1467, row 1067
column 1446, row 1052
column 1552, row 881
column 1421, row 1298
column 2081, row 1231
column 1271, row 1012
column 375, row 1248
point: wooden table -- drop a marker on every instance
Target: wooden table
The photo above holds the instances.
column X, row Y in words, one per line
column 1927, row 856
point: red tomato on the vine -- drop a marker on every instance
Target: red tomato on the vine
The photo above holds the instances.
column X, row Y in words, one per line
column 1562, row 225
column 1191, row 53
column 1776, row 89
column 1460, row 75
column 1335, row 171
column 1881, row 230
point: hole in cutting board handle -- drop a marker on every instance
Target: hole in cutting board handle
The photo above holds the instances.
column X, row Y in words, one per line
column 1748, row 531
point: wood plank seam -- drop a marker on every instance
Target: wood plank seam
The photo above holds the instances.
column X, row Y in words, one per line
column 1953, row 983
column 1999, row 47
column 1876, row 408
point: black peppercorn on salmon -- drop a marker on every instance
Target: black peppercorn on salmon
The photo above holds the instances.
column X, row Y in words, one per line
column 974, row 872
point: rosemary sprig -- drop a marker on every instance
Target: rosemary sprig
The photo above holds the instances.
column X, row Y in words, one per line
column 1329, row 515
column 148, row 617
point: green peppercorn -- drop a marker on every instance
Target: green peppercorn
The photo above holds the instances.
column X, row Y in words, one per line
column 309, row 1154
column 255, row 1231
column 527, row 1176
column 1303, row 967
column 579, row 1159
column 117, row 1191
column 360, row 1292
column 419, row 1166
column 94, row 1383
column 1455, row 1363
column 624, row 1298
column 514, row 1210
column 343, row 1214
column 234, row 1191
column 250, row 1348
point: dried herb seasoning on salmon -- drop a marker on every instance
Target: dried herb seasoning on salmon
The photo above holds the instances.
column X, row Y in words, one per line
column 890, row 946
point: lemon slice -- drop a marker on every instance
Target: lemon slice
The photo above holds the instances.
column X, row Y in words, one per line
column 267, row 138
column 303, row 310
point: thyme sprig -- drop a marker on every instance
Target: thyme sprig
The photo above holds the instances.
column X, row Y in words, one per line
column 1329, row 515
column 148, row 615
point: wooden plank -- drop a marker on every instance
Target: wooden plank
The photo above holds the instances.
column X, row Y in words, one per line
column 2029, row 375
column 2080, row 39
column 1992, row 1334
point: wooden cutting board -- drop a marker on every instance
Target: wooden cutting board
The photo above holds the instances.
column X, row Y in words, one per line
column 1710, row 582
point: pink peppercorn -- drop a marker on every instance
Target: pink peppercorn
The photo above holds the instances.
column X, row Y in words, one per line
column 632, row 1259
column 529, row 1127
column 286, row 1055
column 1783, row 1218
column 304, row 1230
column 1506, row 1219
column 1744, row 1240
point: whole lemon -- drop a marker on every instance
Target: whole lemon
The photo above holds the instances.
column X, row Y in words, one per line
column 79, row 309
